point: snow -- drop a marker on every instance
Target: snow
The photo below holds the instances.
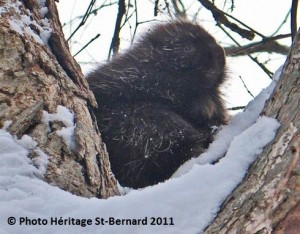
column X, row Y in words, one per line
column 62, row 114
column 189, row 201
column 67, row 118
column 27, row 142
column 43, row 8
column 21, row 22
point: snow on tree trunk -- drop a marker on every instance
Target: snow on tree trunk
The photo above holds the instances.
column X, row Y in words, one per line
column 40, row 83
column 268, row 199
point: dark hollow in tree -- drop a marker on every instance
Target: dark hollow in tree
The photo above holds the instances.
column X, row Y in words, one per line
column 158, row 101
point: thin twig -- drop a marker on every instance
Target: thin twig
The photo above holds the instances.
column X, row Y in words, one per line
column 179, row 12
column 282, row 23
column 168, row 8
column 94, row 11
column 214, row 8
column 196, row 14
column 236, row 108
column 84, row 18
column 128, row 16
column 136, row 20
column 269, row 73
column 245, row 25
column 266, row 45
column 246, row 86
column 232, row 5
column 220, row 18
column 87, row 44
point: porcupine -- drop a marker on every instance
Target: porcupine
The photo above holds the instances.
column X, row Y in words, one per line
column 158, row 101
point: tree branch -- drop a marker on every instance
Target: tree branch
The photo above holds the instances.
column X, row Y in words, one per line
column 220, row 17
column 266, row 45
column 94, row 11
column 179, row 12
column 156, row 7
column 266, row 70
column 236, row 108
column 115, row 43
column 248, row 91
column 84, row 18
column 294, row 18
column 86, row 45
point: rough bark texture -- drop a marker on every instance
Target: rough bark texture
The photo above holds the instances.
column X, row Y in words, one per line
column 36, row 77
column 268, row 199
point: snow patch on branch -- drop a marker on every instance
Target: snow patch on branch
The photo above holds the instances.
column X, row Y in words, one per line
column 67, row 118
column 43, row 8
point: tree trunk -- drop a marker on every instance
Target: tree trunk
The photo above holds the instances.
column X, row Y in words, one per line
column 37, row 75
column 268, row 199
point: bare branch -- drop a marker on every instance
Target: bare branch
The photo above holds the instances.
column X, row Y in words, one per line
column 248, row 91
column 232, row 6
column 128, row 16
column 115, row 42
column 87, row 44
column 236, row 108
column 294, row 18
column 221, row 19
column 136, row 19
column 84, row 18
column 179, row 12
column 168, row 8
column 94, row 12
column 266, row 45
column 245, row 25
column 266, row 70
column 282, row 23
column 156, row 7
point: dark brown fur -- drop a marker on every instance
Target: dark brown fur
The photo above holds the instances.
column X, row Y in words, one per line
column 158, row 101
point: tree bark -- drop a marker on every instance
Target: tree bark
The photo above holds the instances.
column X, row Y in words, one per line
column 268, row 199
column 37, row 76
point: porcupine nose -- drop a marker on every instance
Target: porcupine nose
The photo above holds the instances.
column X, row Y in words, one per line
column 216, row 64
